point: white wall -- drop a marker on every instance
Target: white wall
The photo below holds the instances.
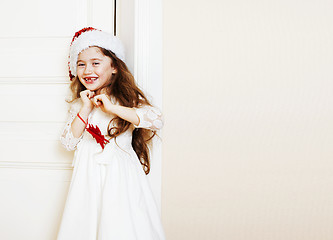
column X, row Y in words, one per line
column 247, row 145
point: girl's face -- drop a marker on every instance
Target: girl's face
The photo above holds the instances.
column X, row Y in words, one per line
column 94, row 69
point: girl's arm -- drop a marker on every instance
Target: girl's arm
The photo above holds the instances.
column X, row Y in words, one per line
column 126, row 113
column 143, row 117
column 74, row 128
column 77, row 126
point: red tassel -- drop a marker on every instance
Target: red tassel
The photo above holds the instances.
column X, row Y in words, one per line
column 96, row 133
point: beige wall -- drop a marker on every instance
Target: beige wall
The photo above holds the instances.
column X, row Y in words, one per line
column 247, row 144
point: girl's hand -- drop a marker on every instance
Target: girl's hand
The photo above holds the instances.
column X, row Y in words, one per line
column 103, row 102
column 86, row 96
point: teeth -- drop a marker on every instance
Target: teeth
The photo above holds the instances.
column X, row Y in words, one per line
column 90, row 79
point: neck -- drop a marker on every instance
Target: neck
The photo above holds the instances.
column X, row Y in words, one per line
column 101, row 91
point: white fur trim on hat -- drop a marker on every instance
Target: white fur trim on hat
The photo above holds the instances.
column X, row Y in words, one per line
column 94, row 38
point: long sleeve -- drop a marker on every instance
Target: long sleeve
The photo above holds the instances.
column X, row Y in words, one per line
column 150, row 117
column 67, row 139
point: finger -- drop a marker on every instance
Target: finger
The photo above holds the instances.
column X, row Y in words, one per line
column 91, row 94
column 93, row 102
column 84, row 93
column 103, row 98
column 96, row 101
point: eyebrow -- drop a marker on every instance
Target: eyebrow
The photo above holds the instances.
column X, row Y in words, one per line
column 79, row 60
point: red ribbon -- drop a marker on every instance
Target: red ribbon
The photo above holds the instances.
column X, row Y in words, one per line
column 95, row 133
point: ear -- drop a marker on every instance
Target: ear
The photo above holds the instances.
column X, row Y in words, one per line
column 114, row 70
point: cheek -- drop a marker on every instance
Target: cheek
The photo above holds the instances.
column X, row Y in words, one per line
column 78, row 72
column 105, row 72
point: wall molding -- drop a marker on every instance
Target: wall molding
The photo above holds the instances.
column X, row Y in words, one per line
column 148, row 47
column 36, row 165
column 35, row 80
column 141, row 42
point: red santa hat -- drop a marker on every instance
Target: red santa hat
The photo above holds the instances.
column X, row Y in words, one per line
column 88, row 37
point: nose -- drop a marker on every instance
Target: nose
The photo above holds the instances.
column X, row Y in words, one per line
column 88, row 69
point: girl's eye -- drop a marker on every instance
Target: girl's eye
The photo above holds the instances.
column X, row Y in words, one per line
column 96, row 63
column 80, row 64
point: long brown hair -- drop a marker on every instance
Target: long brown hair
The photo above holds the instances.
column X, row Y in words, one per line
column 125, row 91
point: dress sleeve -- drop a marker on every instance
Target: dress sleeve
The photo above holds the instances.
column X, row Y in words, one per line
column 150, row 117
column 67, row 139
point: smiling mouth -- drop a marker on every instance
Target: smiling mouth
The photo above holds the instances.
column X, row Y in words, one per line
column 90, row 79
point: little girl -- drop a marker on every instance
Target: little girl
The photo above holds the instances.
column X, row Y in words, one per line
column 110, row 127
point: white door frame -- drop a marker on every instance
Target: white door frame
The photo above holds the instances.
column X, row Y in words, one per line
column 148, row 70
column 139, row 26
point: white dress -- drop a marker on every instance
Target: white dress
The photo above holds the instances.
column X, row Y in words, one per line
column 109, row 196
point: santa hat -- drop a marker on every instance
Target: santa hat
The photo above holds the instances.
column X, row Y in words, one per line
column 88, row 37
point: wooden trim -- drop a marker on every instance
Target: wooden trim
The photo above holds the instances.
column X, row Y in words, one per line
column 36, row 165
column 148, row 47
column 35, row 80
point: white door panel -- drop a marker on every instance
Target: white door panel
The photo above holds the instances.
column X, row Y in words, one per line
column 37, row 18
column 30, row 202
column 34, row 102
column 35, row 57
